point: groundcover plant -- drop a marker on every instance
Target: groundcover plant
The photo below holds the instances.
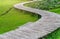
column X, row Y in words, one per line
column 46, row 4
column 11, row 18
column 49, row 5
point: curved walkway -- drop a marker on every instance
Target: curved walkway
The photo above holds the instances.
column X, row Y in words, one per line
column 48, row 23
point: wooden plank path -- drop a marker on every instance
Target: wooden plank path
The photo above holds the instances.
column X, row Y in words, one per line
column 45, row 25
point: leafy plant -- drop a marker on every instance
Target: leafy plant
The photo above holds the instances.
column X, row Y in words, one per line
column 48, row 4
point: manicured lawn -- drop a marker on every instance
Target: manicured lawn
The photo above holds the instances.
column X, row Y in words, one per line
column 55, row 34
column 14, row 18
column 57, row 10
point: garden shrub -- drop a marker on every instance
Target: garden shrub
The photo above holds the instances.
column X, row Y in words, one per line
column 48, row 4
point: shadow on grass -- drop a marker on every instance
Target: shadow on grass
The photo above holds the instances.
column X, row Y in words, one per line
column 6, row 11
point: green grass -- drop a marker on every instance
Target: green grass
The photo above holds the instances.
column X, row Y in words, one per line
column 55, row 34
column 6, row 4
column 14, row 18
column 57, row 10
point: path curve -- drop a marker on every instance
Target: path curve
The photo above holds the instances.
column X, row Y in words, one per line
column 45, row 25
